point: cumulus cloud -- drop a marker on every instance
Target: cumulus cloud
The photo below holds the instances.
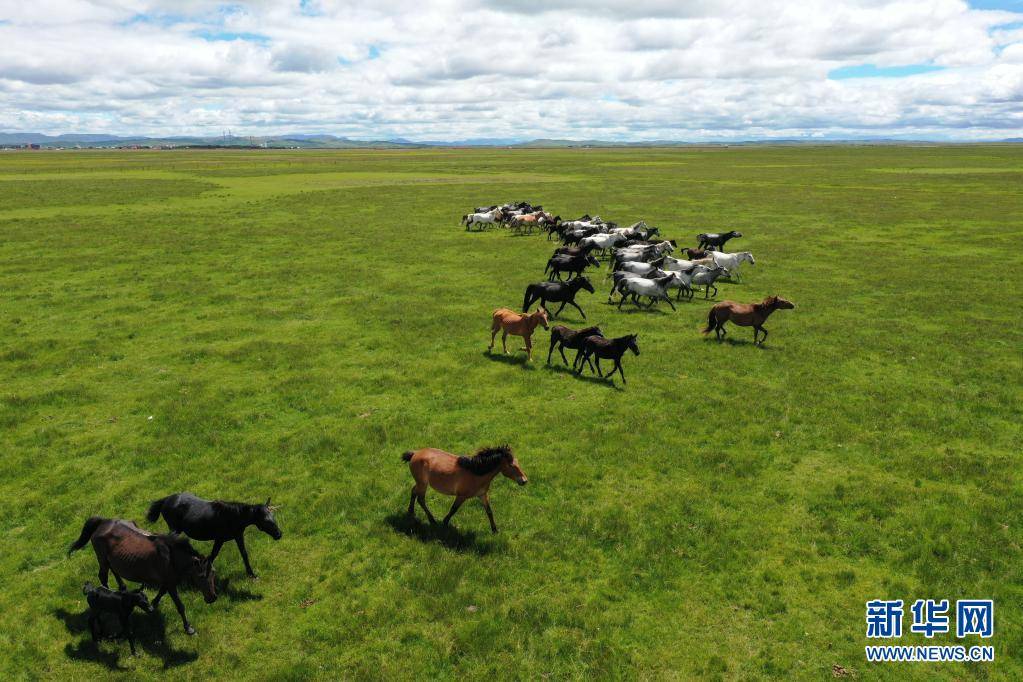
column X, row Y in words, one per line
column 455, row 69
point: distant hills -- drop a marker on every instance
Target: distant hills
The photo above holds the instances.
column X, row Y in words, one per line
column 323, row 141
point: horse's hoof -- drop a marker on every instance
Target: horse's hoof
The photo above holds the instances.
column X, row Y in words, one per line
column 189, row 630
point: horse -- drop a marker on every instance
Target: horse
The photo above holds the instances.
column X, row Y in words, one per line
column 557, row 292
column 655, row 289
column 526, row 221
column 710, row 240
column 602, row 241
column 162, row 561
column 121, row 604
column 732, row 261
column 608, row 349
column 574, row 265
column 574, row 250
column 517, row 324
column 562, row 337
column 707, row 276
column 696, row 254
column 639, row 267
column 218, row 521
column 745, row 315
column 492, row 217
column 462, row 477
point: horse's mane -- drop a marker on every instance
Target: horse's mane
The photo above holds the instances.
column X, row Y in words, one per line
column 485, row 460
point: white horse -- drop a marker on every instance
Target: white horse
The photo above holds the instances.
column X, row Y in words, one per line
column 682, row 265
column 644, row 253
column 654, row 289
column 602, row 241
column 732, row 261
column 707, row 276
column 489, row 218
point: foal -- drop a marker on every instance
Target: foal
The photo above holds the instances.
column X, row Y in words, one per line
column 609, row 349
column 121, row 604
column 562, row 337
column 745, row 315
column 462, row 477
column 517, row 324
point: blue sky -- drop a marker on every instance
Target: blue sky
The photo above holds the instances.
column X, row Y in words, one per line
column 517, row 69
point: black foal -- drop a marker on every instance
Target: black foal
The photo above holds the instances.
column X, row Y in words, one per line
column 562, row 337
column 609, row 349
column 121, row 604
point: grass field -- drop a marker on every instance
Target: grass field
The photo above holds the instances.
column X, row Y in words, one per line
column 244, row 324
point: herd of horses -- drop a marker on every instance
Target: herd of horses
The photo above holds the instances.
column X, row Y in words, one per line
column 165, row 561
column 640, row 266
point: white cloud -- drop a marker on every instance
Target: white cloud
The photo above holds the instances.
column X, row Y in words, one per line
column 620, row 69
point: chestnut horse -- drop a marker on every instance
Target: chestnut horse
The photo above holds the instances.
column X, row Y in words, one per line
column 161, row 561
column 462, row 477
column 745, row 315
column 517, row 324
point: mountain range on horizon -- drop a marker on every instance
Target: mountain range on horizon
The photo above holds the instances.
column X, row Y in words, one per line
column 327, row 141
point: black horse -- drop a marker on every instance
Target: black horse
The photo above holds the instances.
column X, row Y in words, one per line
column 557, row 292
column 120, row 603
column 713, row 240
column 574, row 265
column 215, row 520
column 608, row 349
column 562, row 337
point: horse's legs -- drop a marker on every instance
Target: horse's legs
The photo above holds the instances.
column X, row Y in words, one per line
column 120, row 583
column 95, row 626
column 554, row 342
column 563, row 303
column 561, row 349
column 618, row 366
column 159, row 596
column 669, row 303
column 422, row 503
column 581, row 358
column 493, row 334
column 104, row 569
column 762, row 331
column 598, row 370
column 504, row 341
column 240, row 540
column 173, row 592
column 485, row 499
column 412, row 504
column 620, row 302
column 529, row 346
column 126, row 631
column 454, row 507
column 576, row 306
column 217, row 544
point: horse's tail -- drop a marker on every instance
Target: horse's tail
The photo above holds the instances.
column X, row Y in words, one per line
column 91, row 524
column 525, row 300
column 547, row 267
column 154, row 510
column 711, row 322
column 407, row 456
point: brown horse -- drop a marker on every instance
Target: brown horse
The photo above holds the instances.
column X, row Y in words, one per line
column 463, row 477
column 161, row 561
column 745, row 315
column 517, row 324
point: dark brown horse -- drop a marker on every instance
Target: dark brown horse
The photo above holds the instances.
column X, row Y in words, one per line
column 745, row 315
column 462, row 477
column 160, row 561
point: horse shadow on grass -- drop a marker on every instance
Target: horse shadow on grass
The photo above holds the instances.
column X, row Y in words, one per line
column 226, row 588
column 448, row 536
column 728, row 340
column 515, row 358
column 150, row 637
column 589, row 378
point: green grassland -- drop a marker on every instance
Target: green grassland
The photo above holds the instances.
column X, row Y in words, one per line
column 243, row 324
